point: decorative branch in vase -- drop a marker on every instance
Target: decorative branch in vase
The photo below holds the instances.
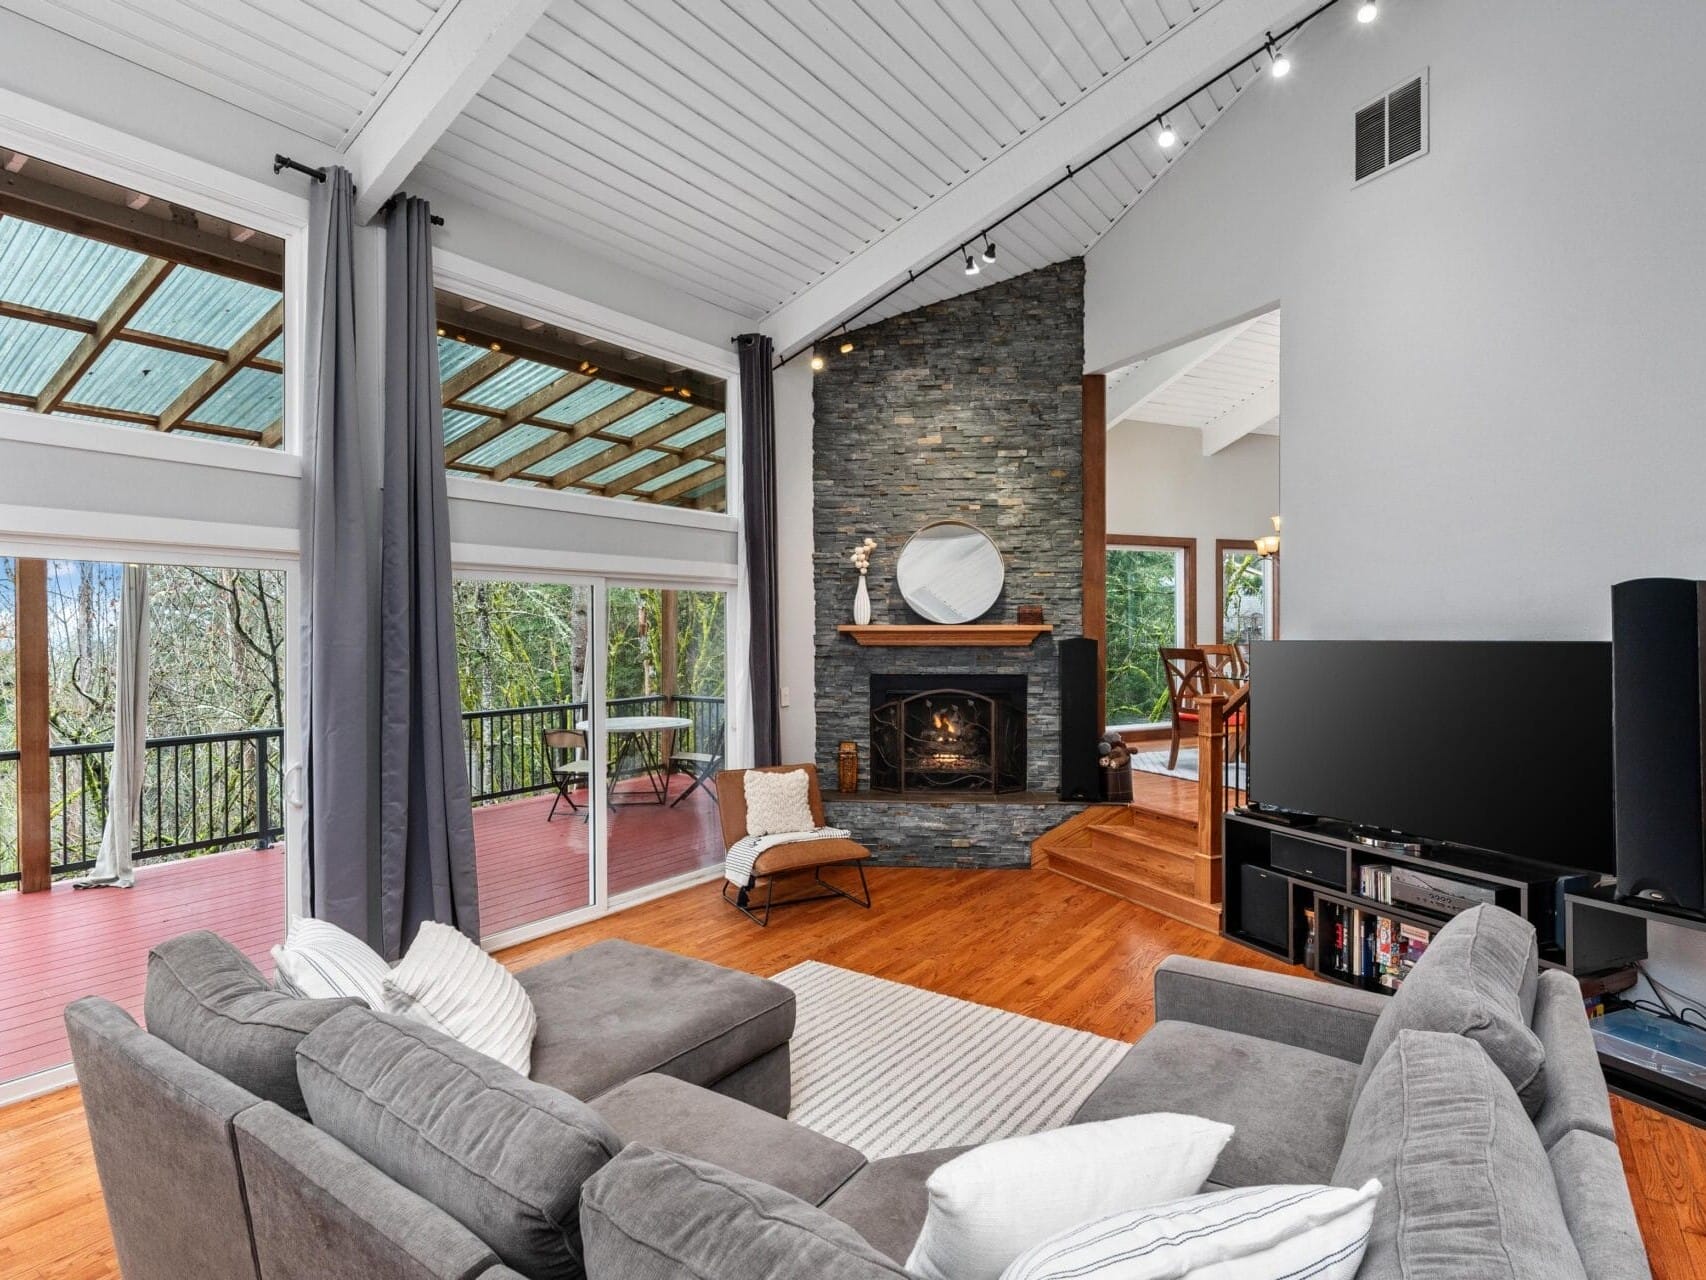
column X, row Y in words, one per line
column 862, row 598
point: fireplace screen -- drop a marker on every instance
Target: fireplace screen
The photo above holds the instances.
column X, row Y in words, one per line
column 948, row 733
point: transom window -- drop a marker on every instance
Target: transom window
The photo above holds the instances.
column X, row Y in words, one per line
column 118, row 308
column 532, row 404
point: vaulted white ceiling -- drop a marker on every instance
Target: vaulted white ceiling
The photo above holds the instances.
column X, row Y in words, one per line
column 1225, row 384
column 789, row 160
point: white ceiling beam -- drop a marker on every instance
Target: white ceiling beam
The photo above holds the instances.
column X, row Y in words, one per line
column 1150, row 84
column 1253, row 415
column 467, row 42
column 1128, row 394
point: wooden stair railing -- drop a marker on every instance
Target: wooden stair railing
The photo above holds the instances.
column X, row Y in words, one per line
column 1223, row 728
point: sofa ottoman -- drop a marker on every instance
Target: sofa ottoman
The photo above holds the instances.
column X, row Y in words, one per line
column 616, row 1010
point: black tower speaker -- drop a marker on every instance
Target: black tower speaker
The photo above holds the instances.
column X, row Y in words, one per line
column 1080, row 719
column 1658, row 659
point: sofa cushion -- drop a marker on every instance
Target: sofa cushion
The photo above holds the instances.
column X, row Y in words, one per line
column 1288, row 1106
column 1595, row 1195
column 616, row 1010
column 667, row 1114
column 887, row 1201
column 503, row 1156
column 1576, row 1096
column 1478, row 978
column 1468, row 1189
column 206, row 1000
column 655, row 1215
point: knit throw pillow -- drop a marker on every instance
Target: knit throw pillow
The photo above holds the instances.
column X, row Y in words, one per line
column 778, row 803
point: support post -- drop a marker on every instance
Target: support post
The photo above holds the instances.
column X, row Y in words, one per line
column 669, row 627
column 1211, row 793
column 35, row 800
column 1095, row 483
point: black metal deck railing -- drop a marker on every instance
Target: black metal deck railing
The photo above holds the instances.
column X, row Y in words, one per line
column 213, row 791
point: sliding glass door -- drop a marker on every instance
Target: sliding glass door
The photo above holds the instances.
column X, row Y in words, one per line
column 666, row 676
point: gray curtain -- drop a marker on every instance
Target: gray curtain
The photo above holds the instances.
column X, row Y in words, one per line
column 337, row 541
column 426, row 824
column 758, row 471
column 130, row 738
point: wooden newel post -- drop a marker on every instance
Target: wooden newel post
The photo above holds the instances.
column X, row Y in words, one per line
column 1211, row 783
column 35, row 799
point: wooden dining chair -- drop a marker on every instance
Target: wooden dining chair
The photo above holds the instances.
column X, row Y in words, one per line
column 565, row 755
column 784, row 860
column 1222, row 662
column 1187, row 680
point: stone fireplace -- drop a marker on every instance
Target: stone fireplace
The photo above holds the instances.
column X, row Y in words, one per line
column 967, row 409
column 947, row 733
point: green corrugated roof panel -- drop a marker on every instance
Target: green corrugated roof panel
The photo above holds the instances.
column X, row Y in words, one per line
column 670, row 477
column 585, row 402
column 136, row 378
column 251, row 398
column 29, row 353
column 454, row 357
column 506, row 446
column 697, row 432
column 616, row 470
column 577, row 453
column 459, row 422
column 647, row 416
column 513, row 383
column 58, row 271
column 197, row 306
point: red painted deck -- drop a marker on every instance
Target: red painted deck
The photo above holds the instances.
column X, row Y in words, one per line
column 67, row 943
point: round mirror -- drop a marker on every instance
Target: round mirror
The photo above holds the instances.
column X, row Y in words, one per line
column 950, row 571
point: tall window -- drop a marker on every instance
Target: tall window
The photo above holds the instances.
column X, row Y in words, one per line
column 528, row 403
column 1151, row 606
column 119, row 308
column 1246, row 594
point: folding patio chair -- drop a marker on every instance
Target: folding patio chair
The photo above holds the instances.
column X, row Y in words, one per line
column 567, row 771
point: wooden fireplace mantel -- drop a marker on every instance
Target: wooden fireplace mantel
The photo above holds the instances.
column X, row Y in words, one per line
column 947, row 635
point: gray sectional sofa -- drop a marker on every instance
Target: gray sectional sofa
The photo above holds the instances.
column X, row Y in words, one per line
column 247, row 1134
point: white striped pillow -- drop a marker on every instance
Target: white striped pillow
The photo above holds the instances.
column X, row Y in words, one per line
column 1251, row 1233
column 450, row 985
column 320, row 961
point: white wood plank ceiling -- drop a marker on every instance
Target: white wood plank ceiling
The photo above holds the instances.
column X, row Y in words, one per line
column 785, row 159
column 319, row 67
column 745, row 148
column 1229, row 377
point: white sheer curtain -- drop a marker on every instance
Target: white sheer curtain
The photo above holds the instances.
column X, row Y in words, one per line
column 124, row 786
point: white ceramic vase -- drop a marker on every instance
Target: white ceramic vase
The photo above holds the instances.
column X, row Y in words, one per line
column 862, row 605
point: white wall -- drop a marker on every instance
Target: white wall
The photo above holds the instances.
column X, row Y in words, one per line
column 1489, row 355
column 1160, row 484
column 796, row 605
column 1490, row 382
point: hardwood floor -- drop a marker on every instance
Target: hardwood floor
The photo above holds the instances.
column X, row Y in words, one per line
column 1027, row 941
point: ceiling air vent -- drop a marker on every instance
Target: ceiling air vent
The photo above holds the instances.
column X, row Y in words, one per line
column 1392, row 129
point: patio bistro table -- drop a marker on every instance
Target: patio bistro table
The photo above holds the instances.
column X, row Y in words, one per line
column 641, row 733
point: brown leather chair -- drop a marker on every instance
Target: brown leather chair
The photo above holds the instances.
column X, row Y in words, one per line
column 786, row 859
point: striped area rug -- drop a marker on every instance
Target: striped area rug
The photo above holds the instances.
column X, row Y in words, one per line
column 889, row 1068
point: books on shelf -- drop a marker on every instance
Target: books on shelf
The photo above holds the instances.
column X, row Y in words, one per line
column 1366, row 947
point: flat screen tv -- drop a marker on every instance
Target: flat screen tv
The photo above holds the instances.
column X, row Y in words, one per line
column 1497, row 746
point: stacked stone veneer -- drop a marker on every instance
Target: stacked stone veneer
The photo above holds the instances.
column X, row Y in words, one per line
column 970, row 409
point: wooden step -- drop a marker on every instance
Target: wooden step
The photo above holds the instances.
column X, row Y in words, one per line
column 1128, row 853
column 1114, row 837
column 1093, row 870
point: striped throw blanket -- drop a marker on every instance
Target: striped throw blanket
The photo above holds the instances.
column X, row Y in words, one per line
column 737, row 867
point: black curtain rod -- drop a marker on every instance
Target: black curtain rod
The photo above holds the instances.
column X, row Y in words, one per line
column 1268, row 42
column 280, row 163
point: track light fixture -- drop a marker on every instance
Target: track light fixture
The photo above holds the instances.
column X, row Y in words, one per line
column 1167, row 138
column 988, row 249
column 971, row 263
column 847, row 346
column 1281, row 64
column 817, row 363
column 1368, row 12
